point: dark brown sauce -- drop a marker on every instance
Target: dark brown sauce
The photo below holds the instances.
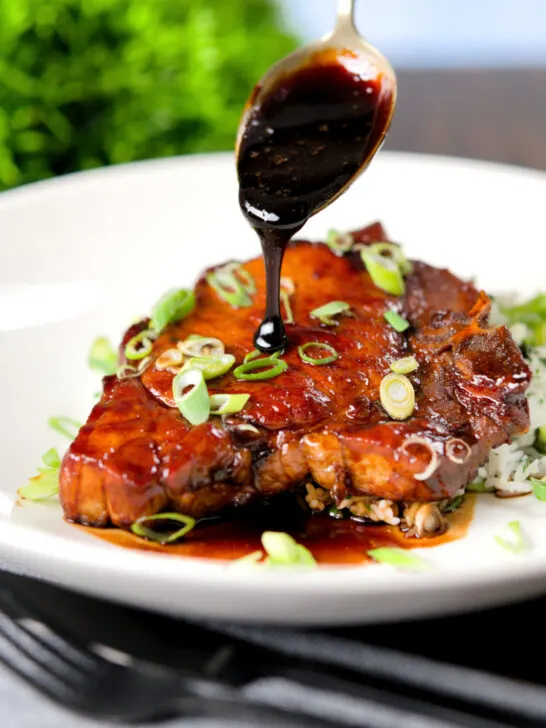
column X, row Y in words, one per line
column 301, row 146
column 331, row 541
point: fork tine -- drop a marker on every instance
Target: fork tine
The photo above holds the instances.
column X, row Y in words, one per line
column 40, row 653
column 15, row 611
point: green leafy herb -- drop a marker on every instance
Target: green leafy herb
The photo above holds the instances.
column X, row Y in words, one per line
column 46, row 483
column 399, row 558
column 532, row 313
column 65, row 426
column 516, row 546
column 102, row 356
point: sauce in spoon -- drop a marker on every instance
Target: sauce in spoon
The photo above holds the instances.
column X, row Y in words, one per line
column 302, row 145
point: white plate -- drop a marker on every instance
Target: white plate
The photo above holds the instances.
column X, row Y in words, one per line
column 83, row 255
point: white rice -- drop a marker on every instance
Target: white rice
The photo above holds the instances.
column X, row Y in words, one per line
column 509, row 467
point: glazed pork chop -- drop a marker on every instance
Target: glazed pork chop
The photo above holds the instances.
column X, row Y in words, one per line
column 325, row 425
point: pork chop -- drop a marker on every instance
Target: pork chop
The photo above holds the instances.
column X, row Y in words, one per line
column 137, row 455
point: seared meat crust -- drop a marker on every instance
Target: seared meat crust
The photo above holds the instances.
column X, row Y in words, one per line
column 137, row 455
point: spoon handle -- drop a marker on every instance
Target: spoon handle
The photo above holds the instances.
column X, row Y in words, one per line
column 345, row 13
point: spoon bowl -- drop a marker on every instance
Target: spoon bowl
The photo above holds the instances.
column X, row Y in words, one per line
column 346, row 47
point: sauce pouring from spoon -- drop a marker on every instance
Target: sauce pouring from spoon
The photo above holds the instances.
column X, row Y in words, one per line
column 309, row 128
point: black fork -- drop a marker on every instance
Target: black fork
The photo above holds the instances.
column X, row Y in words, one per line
column 106, row 661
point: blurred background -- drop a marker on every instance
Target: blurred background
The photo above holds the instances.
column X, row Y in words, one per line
column 85, row 83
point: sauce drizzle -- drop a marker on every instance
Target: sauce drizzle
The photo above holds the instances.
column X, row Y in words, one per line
column 302, row 145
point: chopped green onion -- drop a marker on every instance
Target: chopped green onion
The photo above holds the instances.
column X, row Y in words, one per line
column 539, row 488
column 140, row 345
column 282, row 550
column 256, row 353
column 338, row 242
column 171, row 307
column 540, row 440
column 396, row 321
column 211, row 366
column 102, row 356
column 139, row 529
column 399, row 558
column 196, row 345
column 194, row 404
column 384, row 272
column 65, row 426
column 395, row 252
column 233, row 284
column 247, row 371
column 46, row 483
column 51, row 459
column 397, row 396
column 479, row 486
column 335, row 512
column 287, row 290
column 517, row 546
column 404, row 366
column 453, row 504
column 227, row 404
column 325, row 313
column 317, row 361
column 127, row 371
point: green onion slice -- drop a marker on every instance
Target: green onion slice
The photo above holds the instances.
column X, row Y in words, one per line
column 287, row 290
column 282, row 550
column 196, row 345
column 396, row 321
column 140, row 346
column 397, row 396
column 128, row 371
column 139, row 529
column 270, row 367
column 539, row 488
column 256, row 353
column 193, row 404
column 326, row 313
column 384, row 272
column 211, row 366
column 317, row 361
column 172, row 306
column 227, row 404
column 102, row 356
column 399, row 558
column 65, row 426
column 395, row 252
column 404, row 366
column 339, row 242
column 233, row 284
column 517, row 546
column 46, row 483
column 479, row 486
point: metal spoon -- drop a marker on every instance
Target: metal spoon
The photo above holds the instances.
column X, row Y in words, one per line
column 364, row 60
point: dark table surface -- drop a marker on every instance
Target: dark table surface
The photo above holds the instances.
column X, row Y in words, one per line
column 498, row 115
